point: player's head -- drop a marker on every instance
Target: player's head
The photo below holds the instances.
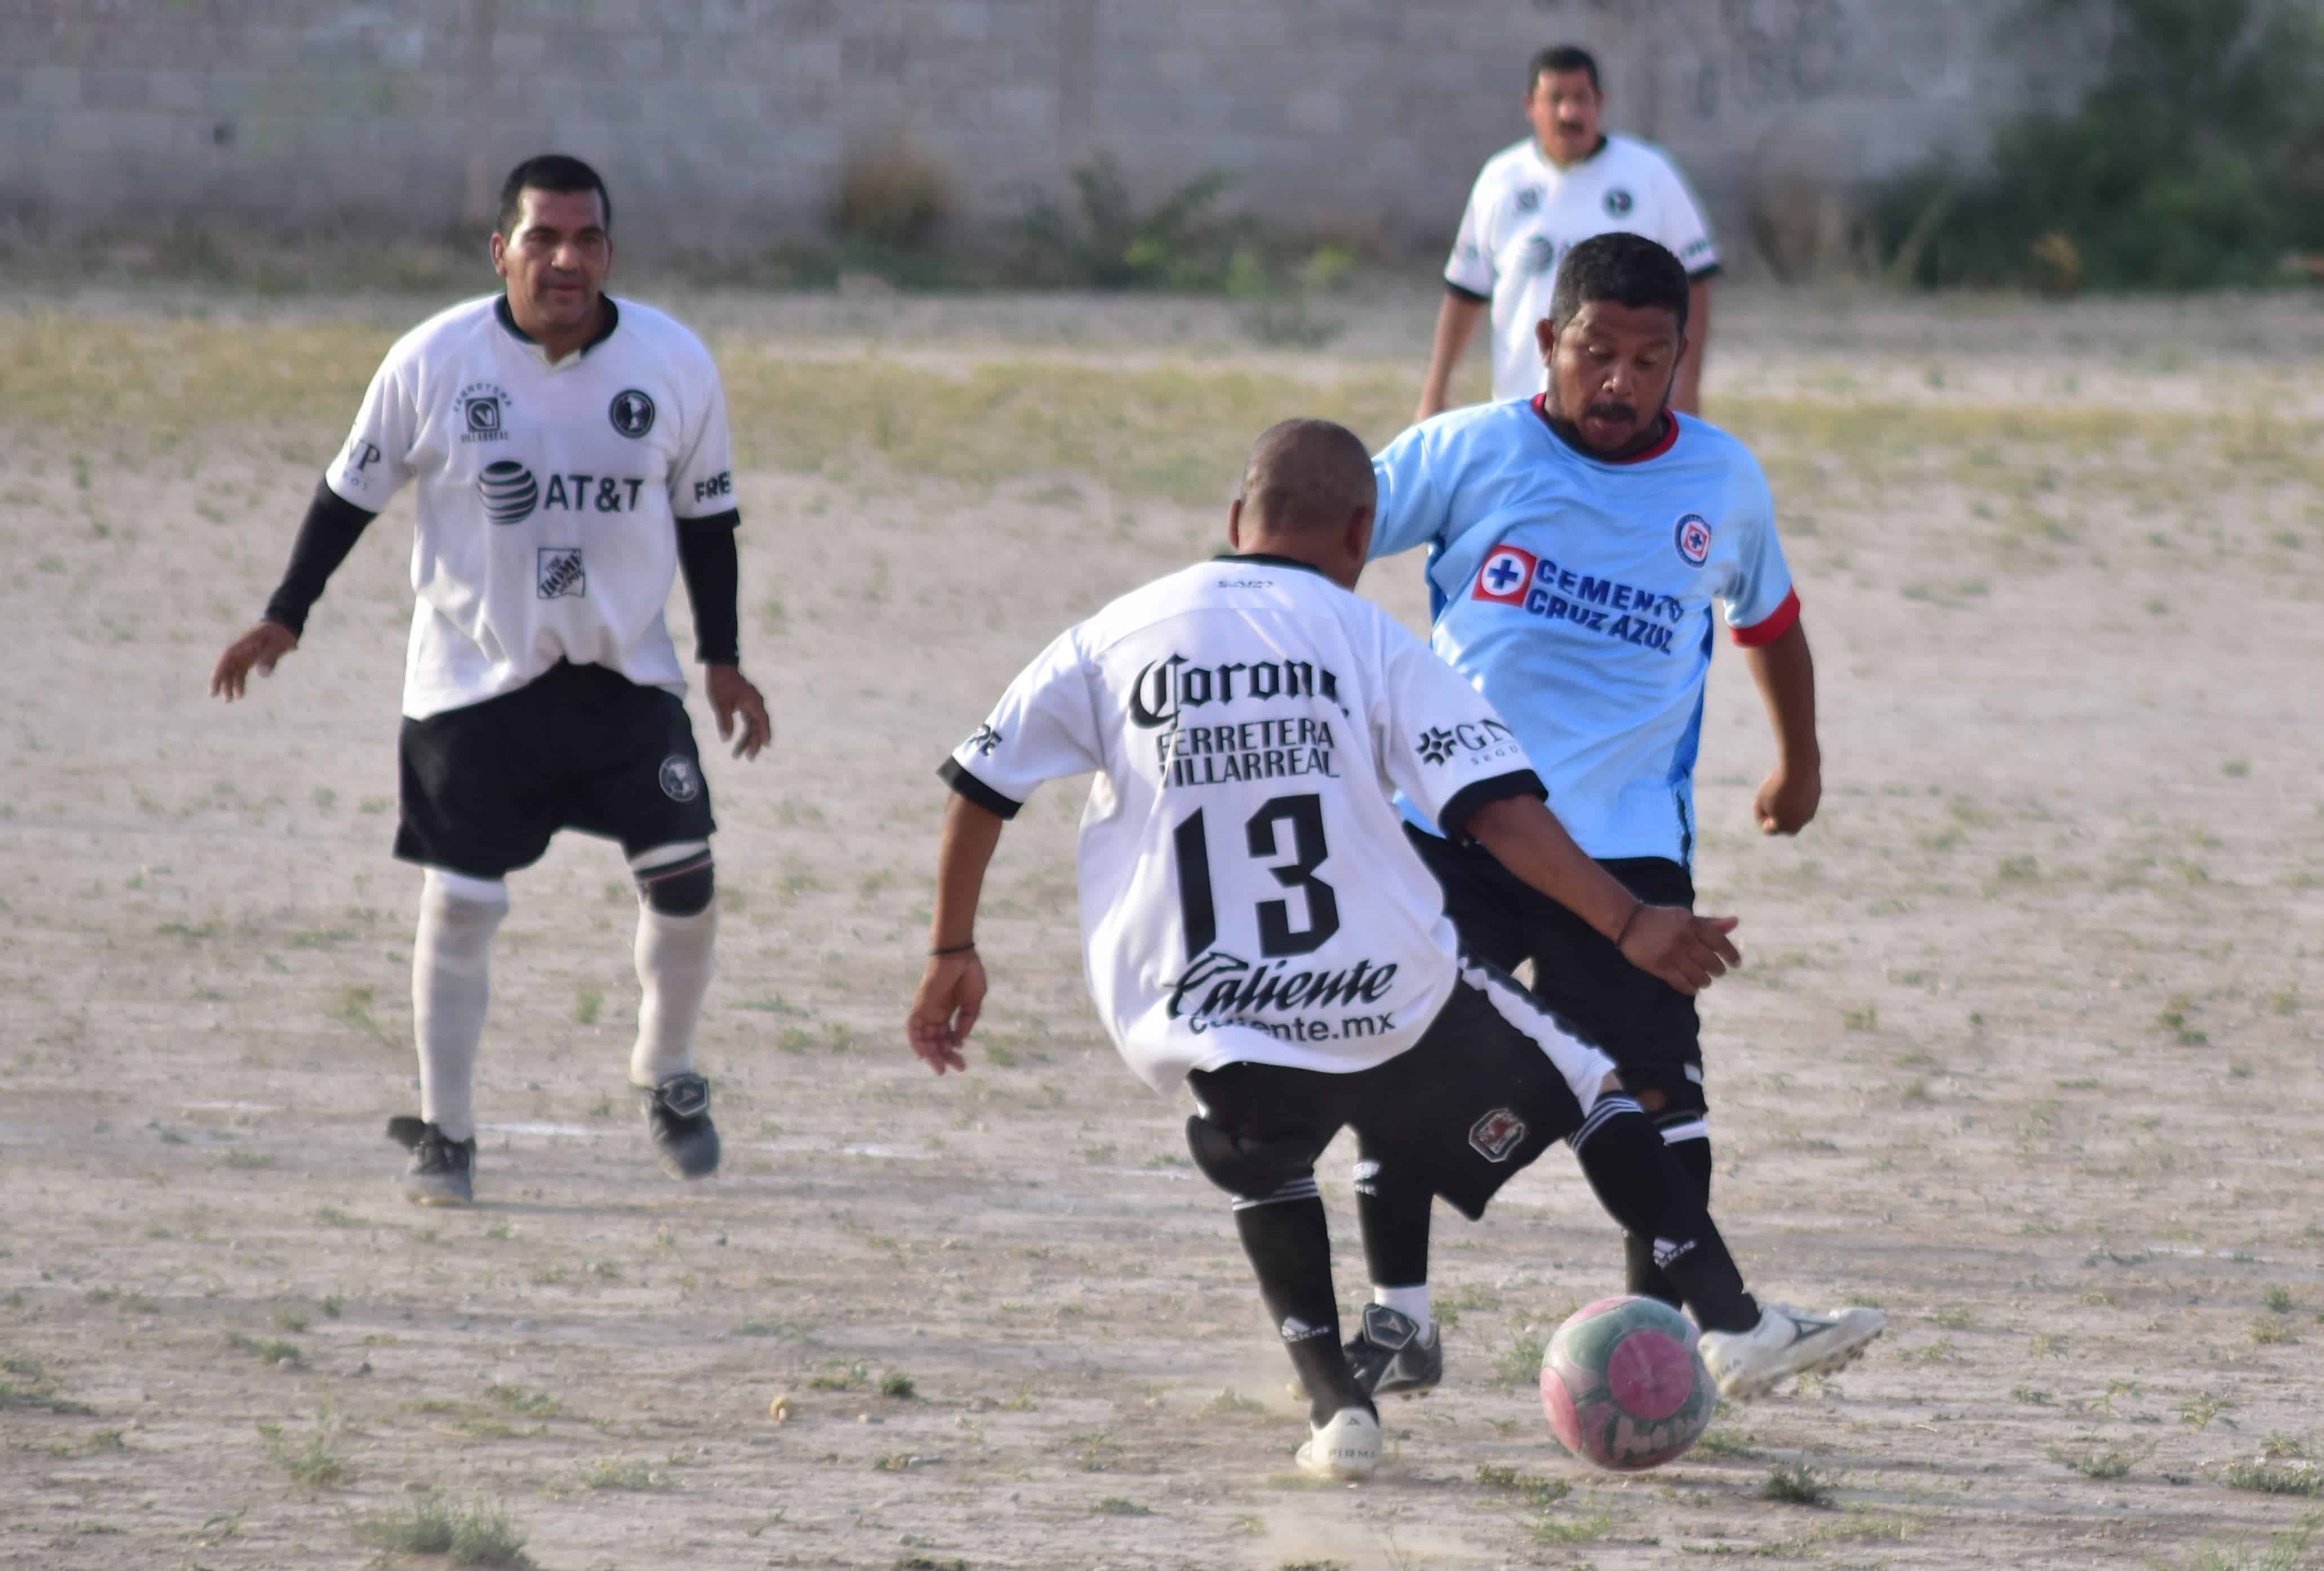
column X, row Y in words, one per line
column 1308, row 493
column 553, row 243
column 1565, row 102
column 1613, row 338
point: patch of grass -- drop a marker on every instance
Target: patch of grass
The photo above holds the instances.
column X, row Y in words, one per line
column 2201, row 1409
column 1229, row 1403
column 2287, row 1551
column 1940, row 1351
column 1796, row 1484
column 837, row 1375
column 2104, row 1465
column 292, row 1320
column 1114, row 1505
column 249, row 1158
column 623, row 1473
column 2032, row 1396
column 1538, row 1492
column 515, row 1399
column 354, row 1009
column 478, row 1534
column 2273, row 1331
column 1575, row 1530
column 586, row 1005
column 1724, row 1443
column 37, row 1396
column 2278, row 1299
column 1954, row 1317
column 2269, row 1476
column 1519, row 1364
column 269, row 1349
column 313, row 1463
column 898, row 1385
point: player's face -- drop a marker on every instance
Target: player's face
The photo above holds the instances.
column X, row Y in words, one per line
column 1564, row 109
column 555, row 260
column 1611, row 370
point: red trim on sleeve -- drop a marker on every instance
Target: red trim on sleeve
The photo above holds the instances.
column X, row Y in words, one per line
column 1781, row 622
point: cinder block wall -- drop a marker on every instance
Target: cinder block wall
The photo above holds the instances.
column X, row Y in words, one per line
column 720, row 121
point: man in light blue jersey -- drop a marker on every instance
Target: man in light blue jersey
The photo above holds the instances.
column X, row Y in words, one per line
column 1577, row 541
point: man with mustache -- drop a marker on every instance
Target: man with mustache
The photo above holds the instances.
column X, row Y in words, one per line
column 1577, row 541
column 1533, row 203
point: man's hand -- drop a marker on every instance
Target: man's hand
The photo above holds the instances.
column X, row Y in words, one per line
column 731, row 693
column 1683, row 950
column 944, row 1009
column 1787, row 798
column 265, row 644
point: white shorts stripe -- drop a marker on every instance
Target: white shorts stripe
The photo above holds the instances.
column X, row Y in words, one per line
column 1692, row 1129
column 1584, row 1067
column 1296, row 1190
column 1608, row 1108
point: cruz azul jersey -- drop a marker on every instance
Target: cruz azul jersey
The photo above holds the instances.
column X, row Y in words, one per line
column 548, row 494
column 1576, row 594
column 1525, row 213
column 1248, row 893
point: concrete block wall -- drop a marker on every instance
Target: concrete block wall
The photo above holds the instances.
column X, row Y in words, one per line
column 722, row 122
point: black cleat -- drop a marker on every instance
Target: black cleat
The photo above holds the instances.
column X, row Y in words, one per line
column 442, row 1171
column 678, row 1116
column 1389, row 1355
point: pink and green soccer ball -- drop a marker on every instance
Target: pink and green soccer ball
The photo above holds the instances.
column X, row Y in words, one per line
column 1624, row 1386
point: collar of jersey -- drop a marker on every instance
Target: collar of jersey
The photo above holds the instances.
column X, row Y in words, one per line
column 1605, row 141
column 507, row 319
column 1271, row 559
column 1668, row 440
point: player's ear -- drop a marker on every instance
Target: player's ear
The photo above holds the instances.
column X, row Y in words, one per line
column 1359, row 537
column 1234, row 525
column 500, row 253
column 1544, row 334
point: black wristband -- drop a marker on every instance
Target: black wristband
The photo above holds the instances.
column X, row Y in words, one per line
column 1630, row 921
column 957, row 949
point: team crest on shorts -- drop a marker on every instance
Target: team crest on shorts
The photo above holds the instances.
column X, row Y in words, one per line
column 1497, row 1133
column 681, row 780
column 559, row 574
column 1505, row 576
column 631, row 412
column 1693, row 538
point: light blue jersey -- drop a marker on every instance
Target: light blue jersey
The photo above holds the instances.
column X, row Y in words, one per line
column 1576, row 595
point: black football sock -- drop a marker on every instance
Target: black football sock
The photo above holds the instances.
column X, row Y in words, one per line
column 1642, row 1185
column 1290, row 1249
column 1394, row 1212
column 1642, row 1276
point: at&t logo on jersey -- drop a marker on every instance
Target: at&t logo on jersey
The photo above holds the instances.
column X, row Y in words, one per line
column 509, row 491
column 1505, row 574
column 1692, row 535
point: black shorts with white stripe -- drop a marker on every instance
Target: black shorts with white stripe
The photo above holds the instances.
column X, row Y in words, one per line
column 1647, row 1027
column 1466, row 1109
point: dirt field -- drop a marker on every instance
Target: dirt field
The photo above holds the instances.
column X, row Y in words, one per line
column 2026, row 1052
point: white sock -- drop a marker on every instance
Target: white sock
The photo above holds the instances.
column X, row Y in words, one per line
column 450, row 985
column 674, row 968
column 1411, row 1302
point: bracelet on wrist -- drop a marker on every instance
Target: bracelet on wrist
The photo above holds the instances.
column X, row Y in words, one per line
column 954, row 949
column 1629, row 922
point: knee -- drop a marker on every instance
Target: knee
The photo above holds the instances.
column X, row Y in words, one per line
column 1245, row 1167
column 457, row 901
column 682, row 886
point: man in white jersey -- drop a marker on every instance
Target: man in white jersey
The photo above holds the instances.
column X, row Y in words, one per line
column 571, row 457
column 1535, row 202
column 1577, row 541
column 1256, row 926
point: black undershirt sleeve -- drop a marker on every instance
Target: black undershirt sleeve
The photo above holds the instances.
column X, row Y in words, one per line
column 332, row 527
column 714, row 581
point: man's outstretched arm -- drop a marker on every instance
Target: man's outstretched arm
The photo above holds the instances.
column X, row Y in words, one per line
column 952, row 987
column 330, row 531
column 1456, row 324
column 1668, row 942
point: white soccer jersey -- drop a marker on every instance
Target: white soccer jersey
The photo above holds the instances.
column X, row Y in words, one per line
column 1525, row 214
column 1246, row 891
column 548, row 494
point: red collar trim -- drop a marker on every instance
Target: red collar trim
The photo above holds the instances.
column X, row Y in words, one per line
column 1668, row 440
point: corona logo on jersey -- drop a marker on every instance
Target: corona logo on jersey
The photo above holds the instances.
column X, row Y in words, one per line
column 1165, row 689
column 1505, row 576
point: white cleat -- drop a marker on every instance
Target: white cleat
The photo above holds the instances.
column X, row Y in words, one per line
column 1348, row 1446
column 1787, row 1342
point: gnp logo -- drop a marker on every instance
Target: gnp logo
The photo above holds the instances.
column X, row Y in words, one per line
column 1505, row 574
column 1693, row 538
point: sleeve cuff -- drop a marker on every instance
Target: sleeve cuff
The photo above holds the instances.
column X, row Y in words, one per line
column 1775, row 626
column 732, row 519
column 1463, row 293
column 951, row 772
column 1705, row 273
column 1454, row 817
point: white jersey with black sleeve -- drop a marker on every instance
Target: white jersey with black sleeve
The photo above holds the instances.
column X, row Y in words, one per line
column 548, row 494
column 1248, row 893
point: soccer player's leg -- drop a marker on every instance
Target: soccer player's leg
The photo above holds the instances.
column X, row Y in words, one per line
column 647, row 791
column 469, row 813
column 1256, row 1134
column 1398, row 1349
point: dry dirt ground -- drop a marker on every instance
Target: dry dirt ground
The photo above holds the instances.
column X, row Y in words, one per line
column 2025, row 1051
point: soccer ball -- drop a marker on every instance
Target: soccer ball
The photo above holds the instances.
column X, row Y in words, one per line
column 1623, row 1385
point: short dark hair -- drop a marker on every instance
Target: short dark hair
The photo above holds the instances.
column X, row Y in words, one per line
column 1308, row 474
column 1562, row 57
column 1628, row 269
column 550, row 171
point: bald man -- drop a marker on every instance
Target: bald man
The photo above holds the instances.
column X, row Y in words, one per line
column 1259, row 931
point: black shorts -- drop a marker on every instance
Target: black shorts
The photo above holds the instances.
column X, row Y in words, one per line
column 578, row 747
column 1465, row 1108
column 1645, row 1025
